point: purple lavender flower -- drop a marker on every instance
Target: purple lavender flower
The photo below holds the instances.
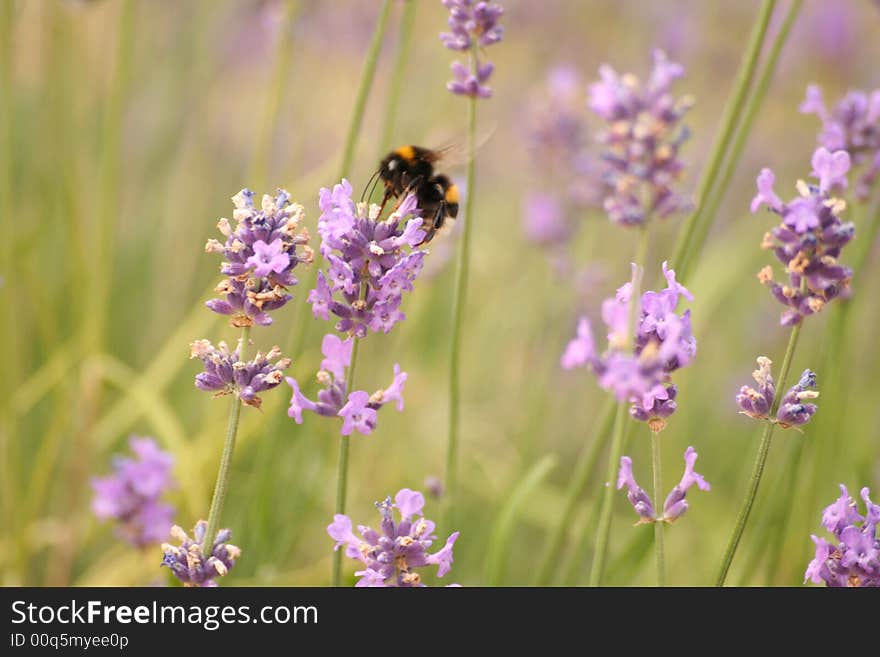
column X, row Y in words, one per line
column 391, row 555
column 754, row 402
column 225, row 374
column 794, row 408
column 187, row 561
column 371, row 263
column 853, row 559
column 473, row 26
column 675, row 504
column 809, row 239
column 260, row 255
column 131, row 495
column 852, row 125
column 358, row 409
column 642, row 141
column 638, row 363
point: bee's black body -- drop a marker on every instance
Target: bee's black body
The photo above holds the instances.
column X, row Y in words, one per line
column 411, row 169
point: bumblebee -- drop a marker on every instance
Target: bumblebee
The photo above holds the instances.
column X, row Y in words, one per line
column 411, row 169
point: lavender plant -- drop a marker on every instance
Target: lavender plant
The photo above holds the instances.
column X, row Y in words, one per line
column 647, row 342
column 473, row 28
column 357, row 409
column 853, row 558
column 391, row 556
column 260, row 254
column 371, row 263
column 675, row 504
column 808, row 242
column 131, row 495
column 852, row 125
column 641, row 141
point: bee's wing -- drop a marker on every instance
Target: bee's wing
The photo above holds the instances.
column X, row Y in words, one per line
column 454, row 153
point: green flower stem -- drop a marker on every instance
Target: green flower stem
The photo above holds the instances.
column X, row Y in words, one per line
column 754, row 103
column 401, row 59
column 585, row 465
column 732, row 112
column 604, row 529
column 274, row 94
column 760, row 461
column 226, row 459
column 342, row 466
column 658, row 495
column 366, row 83
column 458, row 304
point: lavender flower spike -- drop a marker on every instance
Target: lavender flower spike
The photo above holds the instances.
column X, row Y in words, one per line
column 637, row 368
column 260, row 254
column 473, row 26
column 371, row 262
column 642, row 141
column 131, row 495
column 358, row 409
column 794, row 407
column 853, row 126
column 391, row 555
column 809, row 239
column 853, row 558
column 188, row 562
column 675, row 504
column 225, row 374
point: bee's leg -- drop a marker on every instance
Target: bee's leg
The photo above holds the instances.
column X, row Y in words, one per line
column 409, row 188
column 440, row 216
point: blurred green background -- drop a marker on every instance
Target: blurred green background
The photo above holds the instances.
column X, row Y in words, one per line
column 126, row 127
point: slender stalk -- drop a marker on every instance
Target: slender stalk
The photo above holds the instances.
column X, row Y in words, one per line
column 366, row 83
column 458, row 304
column 342, row 466
column 401, row 59
column 226, row 458
column 274, row 95
column 658, row 492
column 732, row 112
column 585, row 465
column 760, row 462
column 754, row 103
column 604, row 529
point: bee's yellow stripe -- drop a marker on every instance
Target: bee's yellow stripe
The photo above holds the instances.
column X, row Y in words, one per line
column 452, row 194
column 408, row 153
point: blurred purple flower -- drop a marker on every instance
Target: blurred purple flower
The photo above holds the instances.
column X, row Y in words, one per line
column 473, row 26
column 131, row 494
column 675, row 504
column 358, row 410
column 187, row 561
column 853, row 559
column 371, row 263
column 638, row 363
column 260, row 255
column 852, row 125
column 809, row 239
column 225, row 374
column 754, row 402
column 642, row 140
column 391, row 555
